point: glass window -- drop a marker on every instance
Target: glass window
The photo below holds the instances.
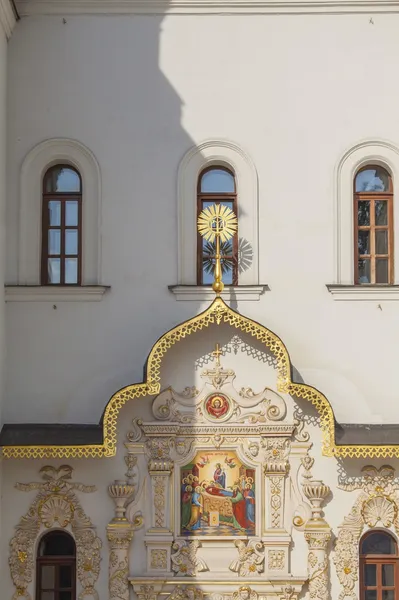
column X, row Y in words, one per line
column 216, row 185
column 378, row 566
column 373, row 203
column 62, row 227
column 56, row 567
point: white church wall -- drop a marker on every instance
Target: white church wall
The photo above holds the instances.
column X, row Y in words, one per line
column 139, row 92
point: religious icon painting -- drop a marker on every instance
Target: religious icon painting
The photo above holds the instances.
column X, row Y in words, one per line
column 218, row 496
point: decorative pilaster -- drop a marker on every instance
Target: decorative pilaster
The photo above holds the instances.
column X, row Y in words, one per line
column 275, row 469
column 120, row 535
column 317, row 535
column 160, row 467
column 159, row 536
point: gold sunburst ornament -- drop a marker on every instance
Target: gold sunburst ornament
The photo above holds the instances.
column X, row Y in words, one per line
column 217, row 222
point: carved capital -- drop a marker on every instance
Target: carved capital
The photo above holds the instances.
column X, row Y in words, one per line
column 276, row 455
column 119, row 537
column 318, row 539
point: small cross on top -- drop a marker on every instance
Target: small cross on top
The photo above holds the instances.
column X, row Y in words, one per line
column 217, row 353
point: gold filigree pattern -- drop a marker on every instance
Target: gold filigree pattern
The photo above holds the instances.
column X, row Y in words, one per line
column 218, row 312
column 376, row 504
column 55, row 504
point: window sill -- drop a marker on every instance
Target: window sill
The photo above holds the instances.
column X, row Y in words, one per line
column 205, row 292
column 363, row 292
column 62, row 293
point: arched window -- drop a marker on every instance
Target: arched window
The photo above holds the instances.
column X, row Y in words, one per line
column 373, row 202
column 378, row 566
column 56, row 567
column 216, row 185
column 62, row 226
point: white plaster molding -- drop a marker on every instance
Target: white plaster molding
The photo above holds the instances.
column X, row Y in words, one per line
column 8, row 18
column 233, row 292
column 364, row 292
column 37, row 293
column 229, row 7
column 378, row 152
column 35, row 164
column 229, row 154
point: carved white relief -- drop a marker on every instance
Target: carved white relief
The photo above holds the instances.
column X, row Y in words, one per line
column 184, row 559
column 251, row 556
column 377, row 504
column 245, row 593
column 245, row 405
column 55, row 505
column 186, row 593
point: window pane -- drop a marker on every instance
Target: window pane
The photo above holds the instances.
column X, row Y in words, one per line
column 54, row 241
column 47, row 595
column 65, row 576
column 381, row 212
column 364, row 270
column 57, row 543
column 62, row 179
column 65, row 596
column 370, row 575
column 378, row 543
column 388, row 594
column 370, row 594
column 227, row 203
column 381, row 271
column 53, row 268
column 363, row 242
column 217, row 181
column 372, row 180
column 227, row 272
column 388, row 575
column 363, row 213
column 71, row 270
column 71, row 241
column 54, row 212
column 381, row 241
column 48, row 577
column 71, row 213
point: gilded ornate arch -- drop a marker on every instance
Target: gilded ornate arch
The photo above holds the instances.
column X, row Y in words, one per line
column 218, row 312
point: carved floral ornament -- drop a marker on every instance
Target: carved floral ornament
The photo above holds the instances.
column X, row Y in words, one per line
column 55, row 505
column 217, row 313
column 376, row 505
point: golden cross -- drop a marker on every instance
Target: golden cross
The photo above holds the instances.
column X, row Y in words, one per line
column 217, row 354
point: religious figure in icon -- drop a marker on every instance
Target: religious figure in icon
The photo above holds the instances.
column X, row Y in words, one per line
column 218, row 496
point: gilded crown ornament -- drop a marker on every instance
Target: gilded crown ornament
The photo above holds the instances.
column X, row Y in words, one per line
column 217, row 222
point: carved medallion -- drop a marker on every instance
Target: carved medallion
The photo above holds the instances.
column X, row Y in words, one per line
column 217, row 406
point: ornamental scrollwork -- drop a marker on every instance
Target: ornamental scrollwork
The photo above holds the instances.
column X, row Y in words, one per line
column 185, row 561
column 55, row 505
column 377, row 503
column 275, row 560
column 118, row 577
column 186, row 593
column 159, row 559
column 251, row 557
column 159, row 499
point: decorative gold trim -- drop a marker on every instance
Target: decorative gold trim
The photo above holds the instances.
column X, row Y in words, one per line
column 218, row 312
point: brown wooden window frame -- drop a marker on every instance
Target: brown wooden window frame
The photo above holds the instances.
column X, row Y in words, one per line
column 372, row 198
column 57, row 562
column 378, row 560
column 63, row 197
column 216, row 198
